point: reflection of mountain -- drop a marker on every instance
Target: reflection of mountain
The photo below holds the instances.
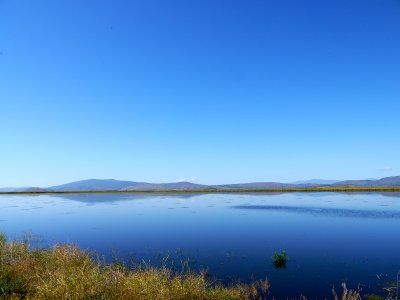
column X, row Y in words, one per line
column 393, row 194
column 118, row 197
column 325, row 194
column 332, row 212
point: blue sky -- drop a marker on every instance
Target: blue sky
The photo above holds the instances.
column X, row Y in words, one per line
column 207, row 91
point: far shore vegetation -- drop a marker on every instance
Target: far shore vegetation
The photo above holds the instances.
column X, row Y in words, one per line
column 346, row 189
column 66, row 272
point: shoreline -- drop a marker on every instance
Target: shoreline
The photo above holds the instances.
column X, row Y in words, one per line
column 220, row 191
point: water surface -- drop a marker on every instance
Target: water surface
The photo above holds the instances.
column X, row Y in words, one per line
column 329, row 237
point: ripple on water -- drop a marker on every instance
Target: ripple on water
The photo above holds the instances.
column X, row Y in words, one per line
column 33, row 208
column 334, row 212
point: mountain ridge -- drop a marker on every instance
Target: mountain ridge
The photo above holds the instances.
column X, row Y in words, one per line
column 89, row 185
column 316, row 181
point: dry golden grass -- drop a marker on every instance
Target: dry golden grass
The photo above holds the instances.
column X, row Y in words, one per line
column 66, row 272
column 347, row 294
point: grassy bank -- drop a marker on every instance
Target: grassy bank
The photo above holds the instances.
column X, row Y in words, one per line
column 341, row 189
column 66, row 272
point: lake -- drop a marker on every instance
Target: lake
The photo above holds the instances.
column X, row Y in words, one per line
column 329, row 237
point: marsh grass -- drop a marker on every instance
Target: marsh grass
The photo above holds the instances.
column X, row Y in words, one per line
column 66, row 272
column 347, row 294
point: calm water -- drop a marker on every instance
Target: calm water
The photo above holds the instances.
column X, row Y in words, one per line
column 329, row 237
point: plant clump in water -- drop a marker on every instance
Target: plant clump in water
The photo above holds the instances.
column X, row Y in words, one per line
column 279, row 260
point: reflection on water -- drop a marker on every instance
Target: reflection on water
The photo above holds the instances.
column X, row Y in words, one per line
column 329, row 237
column 110, row 197
column 334, row 212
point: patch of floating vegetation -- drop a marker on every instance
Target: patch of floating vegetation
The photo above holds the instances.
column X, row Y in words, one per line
column 279, row 260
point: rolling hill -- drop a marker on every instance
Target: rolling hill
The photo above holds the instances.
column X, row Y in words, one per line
column 95, row 185
column 387, row 181
column 175, row 186
column 118, row 185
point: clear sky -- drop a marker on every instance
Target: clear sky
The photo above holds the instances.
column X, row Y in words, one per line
column 207, row 91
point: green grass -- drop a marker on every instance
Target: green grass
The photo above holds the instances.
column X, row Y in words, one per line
column 66, row 272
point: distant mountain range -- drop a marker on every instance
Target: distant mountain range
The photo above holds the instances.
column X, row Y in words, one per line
column 316, row 181
column 118, row 185
column 95, row 185
column 387, row 181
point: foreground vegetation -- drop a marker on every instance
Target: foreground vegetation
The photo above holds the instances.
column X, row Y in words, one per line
column 65, row 272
